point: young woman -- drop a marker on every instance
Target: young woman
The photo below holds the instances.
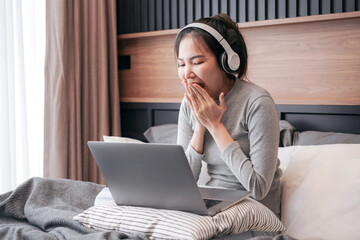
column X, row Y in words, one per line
column 224, row 120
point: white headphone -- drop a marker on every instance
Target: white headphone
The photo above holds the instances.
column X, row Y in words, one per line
column 230, row 60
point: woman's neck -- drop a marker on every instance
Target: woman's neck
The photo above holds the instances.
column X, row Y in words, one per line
column 229, row 85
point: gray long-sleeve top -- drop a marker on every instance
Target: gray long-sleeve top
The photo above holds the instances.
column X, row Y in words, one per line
column 251, row 161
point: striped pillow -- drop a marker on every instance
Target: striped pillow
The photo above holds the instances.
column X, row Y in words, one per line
column 248, row 215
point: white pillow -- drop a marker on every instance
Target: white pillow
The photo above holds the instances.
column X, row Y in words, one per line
column 321, row 191
column 120, row 139
column 248, row 215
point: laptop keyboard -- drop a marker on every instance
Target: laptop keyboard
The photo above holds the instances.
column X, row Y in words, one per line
column 211, row 202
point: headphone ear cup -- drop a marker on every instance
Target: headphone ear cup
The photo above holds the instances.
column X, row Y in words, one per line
column 224, row 63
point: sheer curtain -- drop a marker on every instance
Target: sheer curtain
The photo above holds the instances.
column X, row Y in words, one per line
column 22, row 54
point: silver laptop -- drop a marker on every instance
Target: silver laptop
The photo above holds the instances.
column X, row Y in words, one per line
column 158, row 176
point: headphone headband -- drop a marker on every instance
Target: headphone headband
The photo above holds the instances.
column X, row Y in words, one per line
column 233, row 59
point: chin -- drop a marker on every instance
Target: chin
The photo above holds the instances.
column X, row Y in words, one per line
column 214, row 97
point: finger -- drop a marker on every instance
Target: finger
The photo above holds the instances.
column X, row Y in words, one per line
column 196, row 103
column 183, row 82
column 191, row 90
column 191, row 105
column 222, row 100
column 201, row 92
column 188, row 88
column 196, row 91
column 188, row 98
column 185, row 85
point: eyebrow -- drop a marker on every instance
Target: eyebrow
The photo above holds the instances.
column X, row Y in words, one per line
column 192, row 58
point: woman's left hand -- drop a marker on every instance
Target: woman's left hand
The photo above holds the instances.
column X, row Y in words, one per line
column 206, row 110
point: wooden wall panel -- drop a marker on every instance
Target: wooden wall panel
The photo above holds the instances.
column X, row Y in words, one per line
column 306, row 61
column 153, row 73
column 310, row 63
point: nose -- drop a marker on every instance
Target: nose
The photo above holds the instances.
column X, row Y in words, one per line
column 188, row 72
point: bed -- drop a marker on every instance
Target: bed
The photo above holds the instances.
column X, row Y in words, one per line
column 318, row 110
column 44, row 208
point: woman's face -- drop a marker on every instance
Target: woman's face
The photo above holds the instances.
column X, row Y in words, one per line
column 197, row 64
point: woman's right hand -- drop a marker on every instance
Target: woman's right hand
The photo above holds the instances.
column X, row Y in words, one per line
column 198, row 127
column 197, row 140
column 185, row 84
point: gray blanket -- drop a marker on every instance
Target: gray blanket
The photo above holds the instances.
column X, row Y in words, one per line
column 43, row 208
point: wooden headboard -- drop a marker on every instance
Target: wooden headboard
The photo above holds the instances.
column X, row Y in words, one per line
column 138, row 117
column 312, row 60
